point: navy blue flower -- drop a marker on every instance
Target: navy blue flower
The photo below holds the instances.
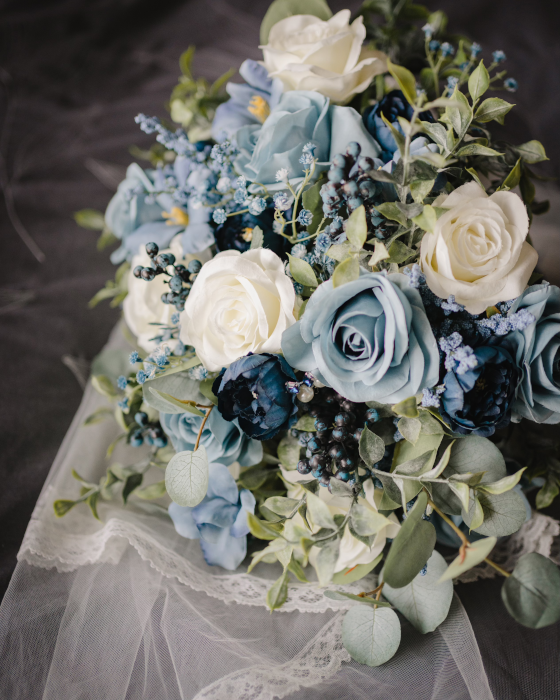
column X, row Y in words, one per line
column 237, row 231
column 478, row 401
column 393, row 105
column 253, row 391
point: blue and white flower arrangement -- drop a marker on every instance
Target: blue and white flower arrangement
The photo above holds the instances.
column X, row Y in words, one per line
column 338, row 319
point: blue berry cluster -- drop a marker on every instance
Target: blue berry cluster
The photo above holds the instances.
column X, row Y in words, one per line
column 180, row 277
column 148, row 432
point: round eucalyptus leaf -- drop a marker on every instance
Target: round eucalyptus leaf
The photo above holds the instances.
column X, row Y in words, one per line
column 532, row 593
column 371, row 635
column 186, row 477
column 504, row 513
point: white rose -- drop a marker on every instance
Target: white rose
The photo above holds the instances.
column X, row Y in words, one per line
column 239, row 303
column 143, row 305
column 352, row 551
column 477, row 250
column 306, row 53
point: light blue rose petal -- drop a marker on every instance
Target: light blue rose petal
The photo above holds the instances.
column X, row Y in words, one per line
column 227, row 552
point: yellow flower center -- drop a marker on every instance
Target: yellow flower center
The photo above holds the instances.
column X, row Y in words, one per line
column 247, row 235
column 259, row 108
column 177, row 217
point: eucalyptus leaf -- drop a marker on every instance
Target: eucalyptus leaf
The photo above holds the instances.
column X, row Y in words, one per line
column 307, row 423
column 460, row 116
column 399, row 252
column 132, row 482
column 513, row 178
column 427, row 219
column 186, row 406
column 178, row 386
column 339, row 251
column 425, row 601
column 302, row 271
column 281, row 505
column 405, row 79
column 253, row 478
column 493, row 108
column 326, row 561
column 410, row 429
column 261, row 529
column 505, row 484
column 346, row 271
column 475, row 553
column 356, row 228
column 412, row 547
column 319, row 512
column 475, row 149
column 288, row 452
column 277, row 594
column 104, row 386
column 355, row 573
column 343, row 596
column 391, row 211
column 420, row 189
column 186, row 477
column 532, row 593
column 371, row 635
column 372, row 447
column 407, row 408
column 479, row 81
column 367, row 521
column 504, row 513
column 156, row 490
column 380, row 253
column 436, row 132
column 532, row 152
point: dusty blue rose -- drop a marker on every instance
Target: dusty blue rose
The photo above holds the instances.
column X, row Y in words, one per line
column 538, row 356
column 247, row 100
column 224, row 441
column 300, row 118
column 219, row 521
column 369, row 339
column 135, row 213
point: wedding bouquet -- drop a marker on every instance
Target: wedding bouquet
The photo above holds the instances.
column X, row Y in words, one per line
column 328, row 278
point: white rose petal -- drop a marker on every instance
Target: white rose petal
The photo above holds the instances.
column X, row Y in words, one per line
column 143, row 305
column 477, row 251
column 239, row 303
column 306, row 53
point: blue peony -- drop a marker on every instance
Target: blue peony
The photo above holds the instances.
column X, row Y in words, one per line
column 219, row 521
column 253, row 391
column 392, row 106
column 538, row 355
column 249, row 103
column 224, row 441
column 478, row 401
column 369, row 339
column 135, row 214
column 299, row 118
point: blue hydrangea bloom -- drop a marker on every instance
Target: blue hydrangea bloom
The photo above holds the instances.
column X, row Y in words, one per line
column 538, row 355
column 300, row 118
column 393, row 105
column 253, row 391
column 224, row 441
column 219, row 521
column 242, row 108
column 369, row 339
column 478, row 401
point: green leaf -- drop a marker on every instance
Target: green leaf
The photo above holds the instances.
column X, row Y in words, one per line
column 313, row 202
column 92, row 503
column 407, row 408
column 149, row 493
column 62, row 506
column 186, row 477
column 319, row 513
column 367, row 521
column 339, row 488
column 253, row 478
column 493, row 109
column 342, row 595
column 185, row 406
column 430, row 425
column 427, row 219
column 339, row 251
column 280, row 9
column 532, row 152
column 532, row 593
column 475, row 149
column 296, row 569
column 425, row 602
column 261, row 529
column 547, row 493
column 179, row 386
column 405, row 80
column 477, row 179
column 505, row 484
column 326, row 561
column 410, row 429
column 302, row 272
column 436, row 132
column 421, row 189
column 412, row 547
column 504, row 513
column 90, row 219
column 399, row 252
column 371, row 635
column 281, row 505
column 476, row 553
column 104, row 386
column 379, row 253
column 257, row 238
column 288, row 452
column 277, row 594
column 307, row 423
column 346, row 271
column 372, row 447
column 460, row 116
column 395, row 133
column 391, row 211
column 131, row 483
column 205, row 388
column 356, row 228
column 355, row 573
column 513, row 178
column 479, row 81
column 98, row 416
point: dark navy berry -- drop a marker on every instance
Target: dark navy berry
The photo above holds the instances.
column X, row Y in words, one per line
column 148, row 274
column 194, row 267
column 152, row 249
column 137, row 272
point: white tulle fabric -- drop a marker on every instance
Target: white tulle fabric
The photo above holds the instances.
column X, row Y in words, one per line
column 125, row 609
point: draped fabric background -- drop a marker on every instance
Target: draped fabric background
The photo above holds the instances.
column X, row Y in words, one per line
column 73, row 75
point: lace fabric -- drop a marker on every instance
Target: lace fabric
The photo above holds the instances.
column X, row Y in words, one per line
column 125, row 608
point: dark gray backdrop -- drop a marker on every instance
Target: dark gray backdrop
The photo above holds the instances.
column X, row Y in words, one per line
column 73, row 75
